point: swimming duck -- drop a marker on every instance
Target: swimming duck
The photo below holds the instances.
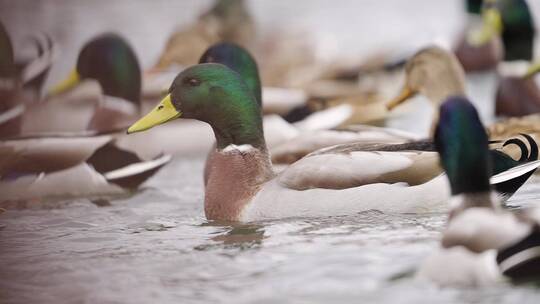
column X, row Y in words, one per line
column 289, row 142
column 436, row 74
column 100, row 97
column 47, row 163
column 226, row 20
column 506, row 33
column 482, row 243
column 20, row 82
column 241, row 184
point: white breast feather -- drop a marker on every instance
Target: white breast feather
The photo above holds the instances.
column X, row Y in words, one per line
column 239, row 148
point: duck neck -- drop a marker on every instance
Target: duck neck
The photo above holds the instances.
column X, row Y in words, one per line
column 444, row 87
column 236, row 120
column 239, row 134
column 235, row 175
column 518, row 30
column 461, row 202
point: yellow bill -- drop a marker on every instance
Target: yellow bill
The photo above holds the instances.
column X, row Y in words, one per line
column 405, row 94
column 162, row 113
column 533, row 70
column 492, row 25
column 69, row 83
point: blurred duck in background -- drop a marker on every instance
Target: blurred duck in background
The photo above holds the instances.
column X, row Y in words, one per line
column 61, row 149
column 226, row 20
column 504, row 32
column 289, row 67
column 478, row 50
column 508, row 29
column 21, row 82
column 242, row 186
column 436, row 74
column 101, row 94
column 482, row 244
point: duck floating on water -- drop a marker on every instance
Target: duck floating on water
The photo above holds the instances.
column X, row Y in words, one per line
column 57, row 158
column 435, row 73
column 483, row 243
column 242, row 185
column 102, row 93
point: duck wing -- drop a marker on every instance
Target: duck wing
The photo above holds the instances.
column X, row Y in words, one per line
column 341, row 170
column 299, row 146
column 46, row 154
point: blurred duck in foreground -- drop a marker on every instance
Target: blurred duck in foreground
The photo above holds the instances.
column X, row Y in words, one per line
column 482, row 243
column 242, row 186
column 20, row 82
column 65, row 151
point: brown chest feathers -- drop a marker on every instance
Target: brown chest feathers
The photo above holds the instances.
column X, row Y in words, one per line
column 235, row 174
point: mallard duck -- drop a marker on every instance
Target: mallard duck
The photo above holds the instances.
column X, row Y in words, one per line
column 436, row 74
column 20, row 82
column 241, row 184
column 482, row 243
column 446, row 78
column 226, row 20
column 289, row 142
column 510, row 21
column 506, row 33
column 45, row 164
column 100, row 97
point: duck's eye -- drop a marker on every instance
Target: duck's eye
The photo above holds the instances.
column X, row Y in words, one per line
column 160, row 107
column 192, row 82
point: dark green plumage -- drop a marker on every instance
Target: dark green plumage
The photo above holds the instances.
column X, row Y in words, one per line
column 474, row 6
column 111, row 61
column 518, row 29
column 215, row 94
column 462, row 144
column 239, row 60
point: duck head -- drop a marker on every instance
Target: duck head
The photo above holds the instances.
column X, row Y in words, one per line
column 110, row 60
column 215, row 94
column 462, row 143
column 434, row 73
column 239, row 60
column 512, row 21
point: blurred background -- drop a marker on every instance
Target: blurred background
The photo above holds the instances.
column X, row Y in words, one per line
column 347, row 28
